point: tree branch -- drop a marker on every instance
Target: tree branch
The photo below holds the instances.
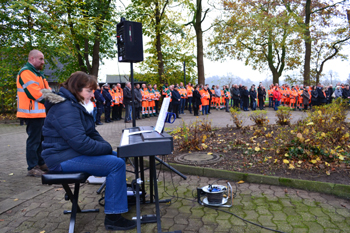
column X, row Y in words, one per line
column 323, row 8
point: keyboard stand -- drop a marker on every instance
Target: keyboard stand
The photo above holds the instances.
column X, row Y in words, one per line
column 153, row 178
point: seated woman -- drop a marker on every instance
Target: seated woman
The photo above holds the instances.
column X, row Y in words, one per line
column 72, row 144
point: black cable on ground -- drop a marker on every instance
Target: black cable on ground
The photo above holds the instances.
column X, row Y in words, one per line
column 217, row 209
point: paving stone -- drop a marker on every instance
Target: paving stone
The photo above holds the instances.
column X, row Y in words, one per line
column 266, row 221
column 300, row 230
column 317, row 212
column 194, row 224
column 295, row 221
column 279, row 216
column 343, row 212
column 324, row 221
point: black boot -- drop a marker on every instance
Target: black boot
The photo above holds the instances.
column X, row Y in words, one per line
column 116, row 222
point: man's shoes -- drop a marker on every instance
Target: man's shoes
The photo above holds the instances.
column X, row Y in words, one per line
column 44, row 168
column 127, row 121
column 178, row 117
column 36, row 172
column 107, row 121
column 99, row 123
column 116, row 222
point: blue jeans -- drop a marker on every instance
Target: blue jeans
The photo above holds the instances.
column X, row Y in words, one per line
column 270, row 102
column 254, row 105
column 94, row 113
column 277, row 104
column 116, row 201
column 190, row 104
column 128, row 111
column 241, row 101
column 205, row 109
column 182, row 105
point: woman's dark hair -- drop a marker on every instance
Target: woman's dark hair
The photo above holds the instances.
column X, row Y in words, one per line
column 79, row 80
column 196, row 86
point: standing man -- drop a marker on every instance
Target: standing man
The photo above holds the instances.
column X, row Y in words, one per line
column 30, row 106
column 138, row 101
column 235, row 95
column 100, row 101
column 227, row 98
column 127, row 101
column 106, row 94
column 261, row 97
column 120, row 106
column 211, row 96
column 183, row 93
column 176, row 97
column 189, row 96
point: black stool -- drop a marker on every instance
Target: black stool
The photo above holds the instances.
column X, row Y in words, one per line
column 64, row 179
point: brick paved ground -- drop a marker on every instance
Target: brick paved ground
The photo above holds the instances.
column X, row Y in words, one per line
column 28, row 206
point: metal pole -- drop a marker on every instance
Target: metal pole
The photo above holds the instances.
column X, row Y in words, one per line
column 184, row 73
column 133, row 95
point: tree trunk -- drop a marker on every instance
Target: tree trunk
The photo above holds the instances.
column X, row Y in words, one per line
column 159, row 45
column 307, row 43
column 199, row 36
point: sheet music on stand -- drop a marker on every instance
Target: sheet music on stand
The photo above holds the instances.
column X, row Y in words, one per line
column 162, row 115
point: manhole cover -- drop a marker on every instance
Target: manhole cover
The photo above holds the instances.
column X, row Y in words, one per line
column 198, row 158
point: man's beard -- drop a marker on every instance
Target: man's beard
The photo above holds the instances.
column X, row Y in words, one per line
column 40, row 67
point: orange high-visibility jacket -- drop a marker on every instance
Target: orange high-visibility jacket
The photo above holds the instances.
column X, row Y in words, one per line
column 205, row 96
column 30, row 103
column 189, row 91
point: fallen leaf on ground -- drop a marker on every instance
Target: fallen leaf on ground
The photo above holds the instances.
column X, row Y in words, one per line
column 313, row 161
column 16, row 199
column 328, row 173
column 285, row 161
column 291, row 166
column 240, row 182
column 209, row 153
column 11, row 174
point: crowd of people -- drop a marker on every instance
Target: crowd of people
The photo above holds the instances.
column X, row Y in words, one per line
column 201, row 98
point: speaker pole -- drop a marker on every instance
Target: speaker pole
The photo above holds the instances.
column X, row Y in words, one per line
column 184, row 73
column 132, row 94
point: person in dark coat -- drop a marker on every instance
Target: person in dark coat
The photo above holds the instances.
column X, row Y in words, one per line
column 231, row 92
column 176, row 99
column 330, row 93
column 346, row 93
column 306, row 98
column 261, row 97
column 211, row 97
column 109, row 99
column 72, row 145
column 322, row 97
column 100, row 101
column 235, row 94
column 138, row 100
column 245, row 98
column 252, row 94
column 241, row 90
column 196, row 100
column 127, row 101
column 314, row 97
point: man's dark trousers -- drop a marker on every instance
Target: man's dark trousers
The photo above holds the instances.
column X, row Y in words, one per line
column 99, row 106
column 33, row 150
column 107, row 111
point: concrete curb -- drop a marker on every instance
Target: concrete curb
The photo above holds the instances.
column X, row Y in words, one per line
column 339, row 190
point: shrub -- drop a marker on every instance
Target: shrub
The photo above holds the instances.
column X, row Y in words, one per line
column 259, row 117
column 283, row 115
column 237, row 117
column 322, row 136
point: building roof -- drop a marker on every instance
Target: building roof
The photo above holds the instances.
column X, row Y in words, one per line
column 115, row 78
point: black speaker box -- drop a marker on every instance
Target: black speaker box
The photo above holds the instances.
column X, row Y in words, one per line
column 129, row 37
